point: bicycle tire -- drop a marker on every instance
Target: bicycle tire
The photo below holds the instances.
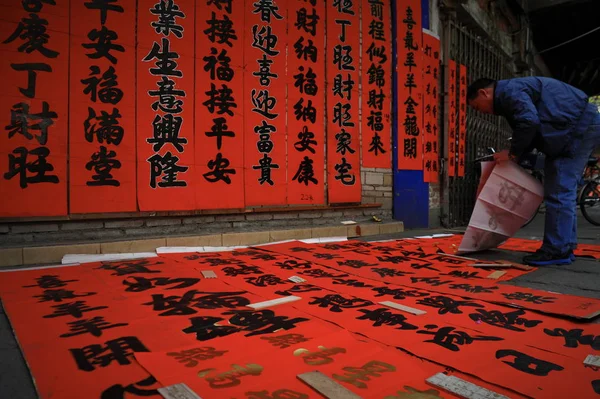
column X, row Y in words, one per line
column 585, row 203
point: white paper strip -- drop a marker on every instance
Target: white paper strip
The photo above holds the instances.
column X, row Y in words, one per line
column 592, row 360
column 178, row 391
column 403, row 308
column 177, row 250
column 321, row 240
column 79, row 258
column 274, row 302
column 462, row 388
column 26, row 268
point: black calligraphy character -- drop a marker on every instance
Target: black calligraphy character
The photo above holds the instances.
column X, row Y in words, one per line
column 103, row 162
column 219, row 170
column 342, row 57
column 32, row 31
column 93, row 326
column 103, row 44
column 298, row 289
column 35, row 5
column 306, row 172
column 18, row 165
column 305, row 82
column 264, row 130
column 409, row 42
column 410, row 148
column 376, row 99
column 264, row 73
column 451, row 339
column 262, row 321
column 389, row 272
column 341, row 115
column 326, row 256
column 109, row 93
column 167, row 12
column 343, row 169
column 336, row 302
column 375, row 121
column 377, row 30
column 242, row 270
column 350, row 282
column 527, row 297
column 511, row 195
column 306, row 141
column 75, row 309
column 354, row 263
column 49, row 281
column 527, row 364
column 344, row 139
column 596, row 386
column 383, row 316
column 166, row 64
column 32, row 69
column 446, row 304
column 308, row 51
column 120, row 350
column 104, row 6
column 376, row 75
column 118, row 391
column 265, row 166
column 191, row 357
column 167, row 97
column 267, row 9
column 398, row 293
column 265, row 40
column 263, row 103
column 377, row 52
column 291, row 264
column 140, row 284
column 344, row 6
column 458, row 273
column 218, row 65
column 376, row 9
column 265, row 280
column 205, row 328
column 220, row 30
column 410, row 83
column 305, row 113
column 509, row 320
column 219, row 130
column 475, row 289
column 410, row 61
column 108, row 128
column 574, row 337
column 20, row 118
column 166, row 129
column 129, row 267
column 307, row 22
column 58, row 295
column 343, row 88
column 220, row 99
column 219, row 4
column 376, row 145
column 165, row 167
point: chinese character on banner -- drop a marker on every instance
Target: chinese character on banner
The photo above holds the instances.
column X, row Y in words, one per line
column 102, row 165
column 376, row 83
column 264, row 97
column 410, row 86
column 220, row 100
column 33, row 109
column 306, row 102
column 452, row 116
column 431, row 74
column 462, row 119
column 343, row 74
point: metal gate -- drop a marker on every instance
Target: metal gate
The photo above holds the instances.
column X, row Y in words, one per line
column 482, row 59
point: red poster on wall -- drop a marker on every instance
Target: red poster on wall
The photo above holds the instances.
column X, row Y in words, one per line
column 410, row 85
column 33, row 108
column 376, row 77
column 306, row 102
column 431, row 68
column 102, row 162
column 265, row 130
column 343, row 141
column 165, row 105
column 219, row 113
column 452, row 123
column 462, row 118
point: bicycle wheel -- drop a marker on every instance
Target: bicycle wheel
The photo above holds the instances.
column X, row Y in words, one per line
column 589, row 202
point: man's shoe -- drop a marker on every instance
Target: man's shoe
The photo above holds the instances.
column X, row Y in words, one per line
column 543, row 258
column 572, row 256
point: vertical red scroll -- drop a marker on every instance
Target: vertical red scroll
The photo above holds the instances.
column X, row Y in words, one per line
column 376, row 77
column 219, row 110
column 102, row 162
column 452, row 111
column 265, row 41
column 165, row 104
column 462, row 118
column 306, row 102
column 34, row 54
column 431, row 68
column 410, row 102
column 343, row 142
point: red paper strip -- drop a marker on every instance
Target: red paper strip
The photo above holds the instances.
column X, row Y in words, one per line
column 102, row 165
column 377, row 84
column 165, row 103
column 306, row 102
column 410, row 85
column 452, row 122
column 264, row 92
column 462, row 118
column 343, row 124
column 34, row 55
column 220, row 105
column 431, row 59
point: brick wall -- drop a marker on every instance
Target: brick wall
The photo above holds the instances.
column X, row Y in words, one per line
column 377, row 187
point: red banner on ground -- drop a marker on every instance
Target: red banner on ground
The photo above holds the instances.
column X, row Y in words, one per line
column 343, row 124
column 34, row 56
column 462, row 118
column 102, row 162
column 452, row 122
column 431, row 73
column 376, row 77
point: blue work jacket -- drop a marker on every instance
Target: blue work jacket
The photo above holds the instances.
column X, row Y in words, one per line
column 544, row 113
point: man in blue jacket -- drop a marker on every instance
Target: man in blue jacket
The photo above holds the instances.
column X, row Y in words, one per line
column 557, row 120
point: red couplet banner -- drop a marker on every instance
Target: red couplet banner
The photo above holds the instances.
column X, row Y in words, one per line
column 306, row 102
column 431, row 72
column 165, row 104
column 452, row 124
column 265, row 41
column 462, row 118
column 102, row 163
column 343, row 141
column 33, row 108
column 376, row 77
column 219, row 113
column 410, row 85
